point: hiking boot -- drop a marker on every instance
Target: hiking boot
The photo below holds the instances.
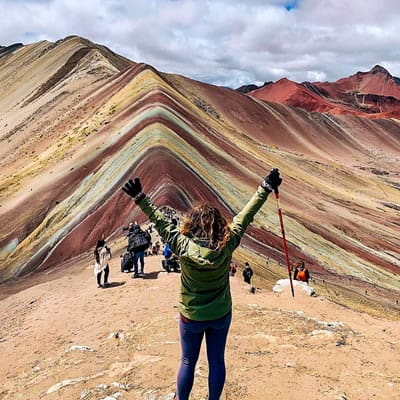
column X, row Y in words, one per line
column 106, row 284
column 134, row 276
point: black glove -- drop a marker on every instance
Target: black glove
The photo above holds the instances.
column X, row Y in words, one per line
column 272, row 181
column 134, row 189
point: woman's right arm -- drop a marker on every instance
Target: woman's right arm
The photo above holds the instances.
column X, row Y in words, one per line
column 168, row 231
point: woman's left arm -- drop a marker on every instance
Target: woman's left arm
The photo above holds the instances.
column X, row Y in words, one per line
column 243, row 219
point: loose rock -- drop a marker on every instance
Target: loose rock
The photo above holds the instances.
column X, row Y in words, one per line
column 78, row 347
column 85, row 394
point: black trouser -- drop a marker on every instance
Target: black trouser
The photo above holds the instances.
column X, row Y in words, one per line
column 106, row 273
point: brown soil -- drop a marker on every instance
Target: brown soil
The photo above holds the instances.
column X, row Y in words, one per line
column 278, row 347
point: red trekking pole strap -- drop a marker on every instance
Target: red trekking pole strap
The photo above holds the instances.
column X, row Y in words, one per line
column 285, row 248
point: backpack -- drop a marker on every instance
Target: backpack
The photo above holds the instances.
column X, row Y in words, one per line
column 138, row 241
column 126, row 262
column 301, row 276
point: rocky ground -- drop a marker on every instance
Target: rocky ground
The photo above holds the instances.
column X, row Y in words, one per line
column 63, row 338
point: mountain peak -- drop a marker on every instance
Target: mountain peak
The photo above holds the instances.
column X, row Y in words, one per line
column 379, row 70
column 4, row 50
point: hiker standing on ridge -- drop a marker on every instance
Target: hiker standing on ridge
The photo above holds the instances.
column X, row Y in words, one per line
column 247, row 273
column 204, row 243
column 138, row 242
column 102, row 254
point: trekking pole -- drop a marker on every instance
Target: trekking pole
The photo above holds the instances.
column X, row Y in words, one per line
column 284, row 239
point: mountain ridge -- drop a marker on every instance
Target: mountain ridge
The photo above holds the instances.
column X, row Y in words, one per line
column 372, row 94
column 85, row 135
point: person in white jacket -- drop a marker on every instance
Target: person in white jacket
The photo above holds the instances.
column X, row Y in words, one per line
column 102, row 254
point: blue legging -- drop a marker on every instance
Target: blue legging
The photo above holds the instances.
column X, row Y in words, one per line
column 191, row 334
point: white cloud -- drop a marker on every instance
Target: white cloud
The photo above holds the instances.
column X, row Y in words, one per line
column 225, row 42
column 316, row 76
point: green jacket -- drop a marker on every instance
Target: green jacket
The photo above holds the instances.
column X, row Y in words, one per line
column 205, row 292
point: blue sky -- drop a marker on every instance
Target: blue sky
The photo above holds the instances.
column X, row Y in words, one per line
column 291, row 5
column 224, row 42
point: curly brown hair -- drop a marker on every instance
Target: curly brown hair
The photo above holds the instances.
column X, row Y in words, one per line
column 205, row 223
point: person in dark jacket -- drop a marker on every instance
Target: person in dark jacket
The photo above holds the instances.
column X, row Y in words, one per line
column 247, row 273
column 138, row 242
column 204, row 243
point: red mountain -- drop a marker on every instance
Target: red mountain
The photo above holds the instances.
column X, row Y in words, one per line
column 374, row 94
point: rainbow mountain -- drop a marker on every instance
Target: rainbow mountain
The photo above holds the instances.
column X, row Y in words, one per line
column 78, row 120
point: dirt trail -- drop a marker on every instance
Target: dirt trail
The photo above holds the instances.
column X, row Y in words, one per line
column 278, row 347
